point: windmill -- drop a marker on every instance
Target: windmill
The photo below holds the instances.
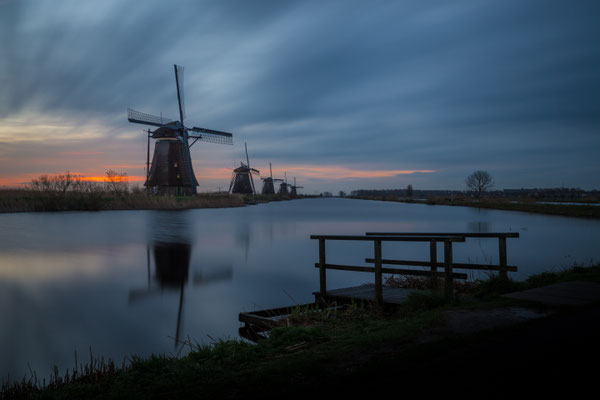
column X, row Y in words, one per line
column 241, row 179
column 268, row 187
column 171, row 171
column 283, row 187
column 293, row 192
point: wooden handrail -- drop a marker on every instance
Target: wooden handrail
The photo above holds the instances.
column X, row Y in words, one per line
column 391, row 238
column 438, row 234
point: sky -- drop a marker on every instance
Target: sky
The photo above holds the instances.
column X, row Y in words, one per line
column 342, row 95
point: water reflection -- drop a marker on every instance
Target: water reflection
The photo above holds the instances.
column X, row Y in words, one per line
column 169, row 251
column 242, row 238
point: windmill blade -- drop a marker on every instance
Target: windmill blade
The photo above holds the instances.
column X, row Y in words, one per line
column 277, row 180
column 247, row 159
column 232, row 182
column 255, row 170
column 179, row 83
column 212, row 136
column 252, row 182
column 138, row 117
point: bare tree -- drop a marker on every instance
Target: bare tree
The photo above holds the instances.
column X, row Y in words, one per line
column 479, row 181
column 116, row 182
column 409, row 191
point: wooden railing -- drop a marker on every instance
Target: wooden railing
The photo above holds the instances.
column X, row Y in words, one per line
column 502, row 266
column 378, row 259
column 433, row 239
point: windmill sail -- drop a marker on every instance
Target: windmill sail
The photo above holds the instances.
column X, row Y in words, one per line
column 138, row 117
column 180, row 98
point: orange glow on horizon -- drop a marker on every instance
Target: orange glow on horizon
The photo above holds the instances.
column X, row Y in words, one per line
column 302, row 172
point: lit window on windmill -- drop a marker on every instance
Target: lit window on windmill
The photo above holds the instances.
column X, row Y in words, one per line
column 175, row 164
column 177, row 176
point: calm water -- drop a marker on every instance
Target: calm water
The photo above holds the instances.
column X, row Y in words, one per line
column 131, row 282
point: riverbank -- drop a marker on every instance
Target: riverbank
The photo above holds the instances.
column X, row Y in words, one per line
column 30, row 201
column 363, row 349
column 567, row 210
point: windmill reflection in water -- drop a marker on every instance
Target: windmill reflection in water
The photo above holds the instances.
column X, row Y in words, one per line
column 170, row 247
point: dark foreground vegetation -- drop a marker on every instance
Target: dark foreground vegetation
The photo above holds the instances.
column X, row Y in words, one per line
column 362, row 349
column 567, row 209
column 69, row 192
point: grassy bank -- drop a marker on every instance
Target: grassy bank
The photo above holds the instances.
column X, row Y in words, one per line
column 350, row 346
column 73, row 192
column 15, row 200
column 31, row 201
column 568, row 210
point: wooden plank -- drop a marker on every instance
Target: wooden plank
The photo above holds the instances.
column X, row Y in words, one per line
column 402, row 271
column 448, row 269
column 274, row 312
column 455, row 265
column 502, row 256
column 354, row 291
column 378, row 278
column 353, row 268
column 260, row 322
column 391, row 238
column 322, row 269
column 465, row 234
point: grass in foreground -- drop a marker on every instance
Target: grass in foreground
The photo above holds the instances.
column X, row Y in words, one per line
column 323, row 344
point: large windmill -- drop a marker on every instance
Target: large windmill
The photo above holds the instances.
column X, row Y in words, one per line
column 293, row 191
column 268, row 183
column 241, row 179
column 171, row 171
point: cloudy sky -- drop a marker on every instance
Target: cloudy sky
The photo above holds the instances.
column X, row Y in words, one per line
column 341, row 94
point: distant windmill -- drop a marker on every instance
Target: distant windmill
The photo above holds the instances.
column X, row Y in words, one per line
column 171, row 171
column 268, row 186
column 294, row 192
column 241, row 179
column 283, row 188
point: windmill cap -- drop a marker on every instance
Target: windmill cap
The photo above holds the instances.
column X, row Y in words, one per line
column 165, row 132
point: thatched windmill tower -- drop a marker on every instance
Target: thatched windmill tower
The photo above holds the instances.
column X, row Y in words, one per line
column 268, row 183
column 171, row 171
column 293, row 191
column 241, row 179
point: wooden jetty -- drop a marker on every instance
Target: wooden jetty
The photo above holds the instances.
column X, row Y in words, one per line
column 258, row 322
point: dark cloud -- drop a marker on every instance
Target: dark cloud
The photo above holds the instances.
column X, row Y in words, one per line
column 453, row 86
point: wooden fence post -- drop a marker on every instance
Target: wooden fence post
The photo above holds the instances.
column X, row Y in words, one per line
column 502, row 256
column 322, row 270
column 448, row 268
column 378, row 281
column 433, row 259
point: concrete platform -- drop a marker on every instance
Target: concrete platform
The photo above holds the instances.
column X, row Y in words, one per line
column 574, row 293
